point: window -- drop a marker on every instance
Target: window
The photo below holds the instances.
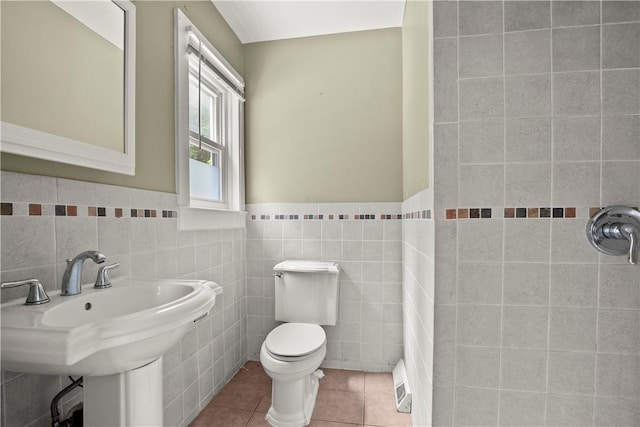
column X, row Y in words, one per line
column 207, row 148
column 209, row 124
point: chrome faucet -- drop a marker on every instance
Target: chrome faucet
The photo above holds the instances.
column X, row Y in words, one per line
column 72, row 277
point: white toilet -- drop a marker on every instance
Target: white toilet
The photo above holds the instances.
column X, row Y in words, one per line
column 306, row 296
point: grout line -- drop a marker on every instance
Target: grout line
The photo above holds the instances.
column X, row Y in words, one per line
column 504, row 198
column 496, row 76
column 535, row 29
column 551, row 200
column 454, row 393
column 552, row 116
column 595, row 351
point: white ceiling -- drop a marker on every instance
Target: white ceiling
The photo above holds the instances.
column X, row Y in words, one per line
column 262, row 20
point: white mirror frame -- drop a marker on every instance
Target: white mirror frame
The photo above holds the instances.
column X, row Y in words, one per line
column 34, row 143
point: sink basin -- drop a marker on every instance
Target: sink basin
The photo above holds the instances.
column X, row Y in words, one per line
column 102, row 331
column 120, row 301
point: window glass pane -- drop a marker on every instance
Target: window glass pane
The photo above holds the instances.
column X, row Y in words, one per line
column 209, row 110
column 205, row 172
column 193, row 104
column 208, row 117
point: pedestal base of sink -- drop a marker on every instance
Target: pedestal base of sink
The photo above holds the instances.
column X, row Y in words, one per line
column 133, row 398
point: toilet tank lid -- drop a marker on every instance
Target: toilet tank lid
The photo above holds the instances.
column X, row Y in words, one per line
column 304, row 266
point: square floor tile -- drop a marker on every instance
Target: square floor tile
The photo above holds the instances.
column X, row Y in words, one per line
column 320, row 423
column 252, row 372
column 265, row 403
column 222, row 417
column 337, row 379
column 340, row 406
column 378, row 382
column 241, row 395
column 257, row 420
column 380, row 410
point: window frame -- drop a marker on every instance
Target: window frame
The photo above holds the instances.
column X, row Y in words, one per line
column 229, row 86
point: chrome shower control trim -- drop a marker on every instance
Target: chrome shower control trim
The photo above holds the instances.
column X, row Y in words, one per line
column 616, row 231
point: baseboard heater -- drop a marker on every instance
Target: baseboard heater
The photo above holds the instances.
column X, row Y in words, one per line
column 401, row 387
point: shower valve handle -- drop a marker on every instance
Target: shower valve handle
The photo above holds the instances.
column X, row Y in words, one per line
column 628, row 232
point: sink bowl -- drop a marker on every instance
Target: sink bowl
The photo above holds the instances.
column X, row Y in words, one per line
column 102, row 331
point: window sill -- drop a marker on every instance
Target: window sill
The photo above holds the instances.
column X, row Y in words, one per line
column 209, row 219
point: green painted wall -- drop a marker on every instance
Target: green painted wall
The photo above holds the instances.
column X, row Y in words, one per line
column 416, row 134
column 324, row 114
column 324, row 118
column 155, row 135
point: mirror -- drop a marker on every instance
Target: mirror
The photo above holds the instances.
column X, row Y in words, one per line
column 68, row 82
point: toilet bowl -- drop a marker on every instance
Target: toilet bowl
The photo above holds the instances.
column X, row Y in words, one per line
column 290, row 356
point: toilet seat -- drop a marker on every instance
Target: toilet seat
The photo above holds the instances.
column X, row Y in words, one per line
column 295, row 341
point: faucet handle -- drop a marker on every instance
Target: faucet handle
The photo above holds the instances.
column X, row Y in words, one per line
column 102, row 280
column 37, row 294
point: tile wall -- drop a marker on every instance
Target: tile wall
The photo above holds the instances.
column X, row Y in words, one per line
column 366, row 240
column 418, row 260
column 47, row 220
column 536, row 106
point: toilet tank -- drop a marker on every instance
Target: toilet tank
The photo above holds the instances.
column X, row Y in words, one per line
column 307, row 291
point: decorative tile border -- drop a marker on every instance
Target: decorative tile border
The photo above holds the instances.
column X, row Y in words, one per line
column 423, row 214
column 539, row 212
column 464, row 213
column 519, row 212
column 38, row 209
column 331, row 217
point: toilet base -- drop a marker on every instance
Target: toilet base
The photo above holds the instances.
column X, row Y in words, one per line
column 292, row 402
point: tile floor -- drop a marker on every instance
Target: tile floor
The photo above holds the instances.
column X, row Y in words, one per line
column 345, row 399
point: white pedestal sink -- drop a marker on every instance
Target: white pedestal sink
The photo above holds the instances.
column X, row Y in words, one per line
column 113, row 337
